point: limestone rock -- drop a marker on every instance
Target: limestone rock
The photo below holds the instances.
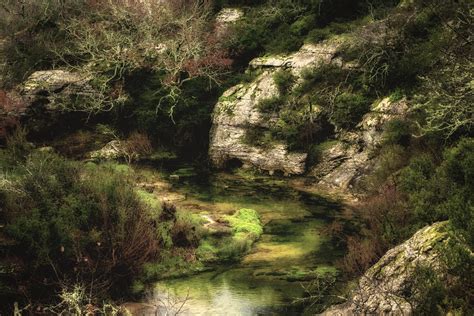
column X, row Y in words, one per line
column 382, row 289
column 345, row 164
column 49, row 86
column 112, row 150
column 227, row 17
column 308, row 55
column 237, row 112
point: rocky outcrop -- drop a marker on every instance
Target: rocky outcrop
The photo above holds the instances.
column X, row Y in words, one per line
column 236, row 112
column 385, row 288
column 344, row 164
column 341, row 166
column 51, row 87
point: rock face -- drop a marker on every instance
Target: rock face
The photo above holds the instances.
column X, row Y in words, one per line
column 49, row 87
column 341, row 166
column 383, row 289
column 236, row 113
column 344, row 164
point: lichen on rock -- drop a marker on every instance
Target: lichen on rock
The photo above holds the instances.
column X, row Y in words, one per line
column 52, row 87
column 385, row 288
column 237, row 112
column 345, row 163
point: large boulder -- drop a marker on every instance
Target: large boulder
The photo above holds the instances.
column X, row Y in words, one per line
column 237, row 112
column 385, row 288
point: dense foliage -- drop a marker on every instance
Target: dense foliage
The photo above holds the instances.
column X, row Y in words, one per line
column 72, row 223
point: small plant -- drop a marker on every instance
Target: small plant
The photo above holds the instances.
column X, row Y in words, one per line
column 270, row 105
column 136, row 145
column 284, row 81
column 348, row 110
column 397, row 132
column 258, row 137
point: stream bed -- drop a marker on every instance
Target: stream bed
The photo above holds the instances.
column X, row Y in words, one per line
column 272, row 275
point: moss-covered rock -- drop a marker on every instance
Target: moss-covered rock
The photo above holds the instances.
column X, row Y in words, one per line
column 389, row 286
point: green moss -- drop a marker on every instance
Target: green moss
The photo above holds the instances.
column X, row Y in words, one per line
column 246, row 223
column 246, row 228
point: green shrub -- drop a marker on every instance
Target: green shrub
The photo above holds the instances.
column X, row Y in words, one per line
column 456, row 175
column 397, row 132
column 304, row 24
column 258, row 137
column 329, row 74
column 443, row 192
column 315, row 151
column 86, row 223
column 284, row 81
column 397, row 95
column 320, row 34
column 17, row 149
column 429, row 292
column 391, row 159
column 270, row 105
column 416, row 179
column 348, row 110
column 314, row 155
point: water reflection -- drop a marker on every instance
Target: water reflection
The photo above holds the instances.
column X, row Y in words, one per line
column 267, row 279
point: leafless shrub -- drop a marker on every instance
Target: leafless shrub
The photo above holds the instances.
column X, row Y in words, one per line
column 136, row 145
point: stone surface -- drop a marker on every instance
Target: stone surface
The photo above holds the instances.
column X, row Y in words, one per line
column 308, row 55
column 50, row 86
column 236, row 112
column 382, row 289
column 112, row 150
column 229, row 15
column 345, row 163
column 225, row 18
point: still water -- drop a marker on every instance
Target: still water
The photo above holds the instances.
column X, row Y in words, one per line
column 272, row 275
